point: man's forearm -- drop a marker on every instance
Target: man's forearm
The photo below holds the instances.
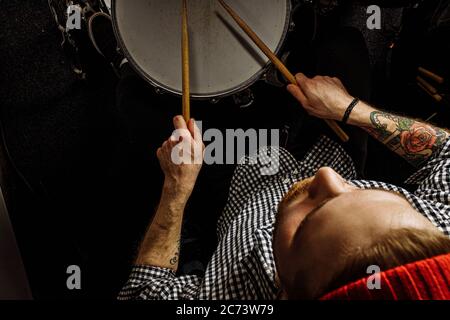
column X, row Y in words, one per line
column 414, row 140
column 161, row 245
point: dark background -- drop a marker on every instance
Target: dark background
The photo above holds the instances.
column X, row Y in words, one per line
column 81, row 182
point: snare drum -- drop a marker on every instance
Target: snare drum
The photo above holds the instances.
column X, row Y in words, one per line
column 224, row 61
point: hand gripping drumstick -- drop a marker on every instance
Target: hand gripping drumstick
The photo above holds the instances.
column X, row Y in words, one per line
column 278, row 64
column 185, row 64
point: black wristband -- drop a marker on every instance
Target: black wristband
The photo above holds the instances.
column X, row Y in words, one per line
column 349, row 110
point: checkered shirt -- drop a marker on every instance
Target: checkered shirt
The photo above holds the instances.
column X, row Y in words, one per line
column 243, row 266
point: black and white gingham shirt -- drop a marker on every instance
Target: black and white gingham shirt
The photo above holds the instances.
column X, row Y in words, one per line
column 243, row 265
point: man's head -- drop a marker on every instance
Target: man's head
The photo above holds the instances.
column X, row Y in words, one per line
column 324, row 222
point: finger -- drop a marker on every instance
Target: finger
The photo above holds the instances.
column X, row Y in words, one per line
column 165, row 145
column 179, row 123
column 301, row 79
column 159, row 153
column 172, row 143
column 298, row 94
column 195, row 130
column 303, row 83
column 174, row 138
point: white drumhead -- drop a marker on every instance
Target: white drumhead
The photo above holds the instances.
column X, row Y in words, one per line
column 223, row 58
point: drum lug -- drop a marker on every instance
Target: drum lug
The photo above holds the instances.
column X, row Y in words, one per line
column 292, row 26
column 158, row 91
column 244, row 99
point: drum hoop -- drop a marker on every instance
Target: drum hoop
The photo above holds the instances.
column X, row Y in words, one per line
column 218, row 95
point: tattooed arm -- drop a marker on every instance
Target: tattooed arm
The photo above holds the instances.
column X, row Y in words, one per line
column 161, row 244
column 414, row 140
column 327, row 98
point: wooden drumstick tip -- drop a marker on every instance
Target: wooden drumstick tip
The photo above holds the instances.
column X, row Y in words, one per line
column 431, row 75
column 338, row 130
column 427, row 85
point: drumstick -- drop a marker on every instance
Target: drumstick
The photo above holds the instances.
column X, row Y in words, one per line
column 277, row 62
column 431, row 75
column 427, row 85
column 435, row 96
column 185, row 64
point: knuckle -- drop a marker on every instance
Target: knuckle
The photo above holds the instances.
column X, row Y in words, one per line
column 312, row 85
column 307, row 83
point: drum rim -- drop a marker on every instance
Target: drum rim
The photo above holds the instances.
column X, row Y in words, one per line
column 157, row 85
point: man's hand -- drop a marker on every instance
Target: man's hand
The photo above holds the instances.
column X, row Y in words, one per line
column 322, row 97
column 181, row 158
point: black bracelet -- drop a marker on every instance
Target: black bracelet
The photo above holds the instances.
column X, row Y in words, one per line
column 350, row 109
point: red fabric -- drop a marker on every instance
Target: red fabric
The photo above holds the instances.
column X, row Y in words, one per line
column 423, row 280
